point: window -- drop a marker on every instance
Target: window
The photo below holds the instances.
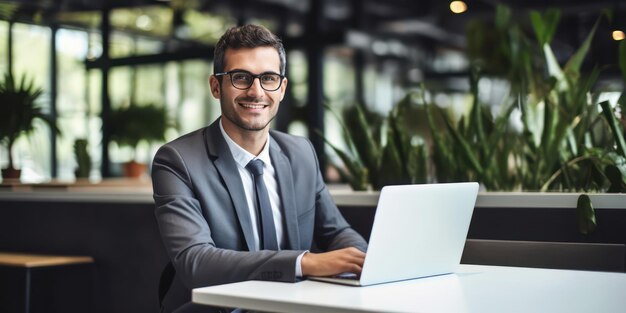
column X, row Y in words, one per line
column 31, row 57
column 4, row 43
column 72, row 97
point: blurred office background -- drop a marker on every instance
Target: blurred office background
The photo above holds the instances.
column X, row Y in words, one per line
column 121, row 77
column 91, row 57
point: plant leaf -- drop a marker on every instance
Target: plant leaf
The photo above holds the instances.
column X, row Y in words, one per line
column 622, row 59
column 545, row 25
column 344, row 128
column 357, row 173
column 443, row 157
column 573, row 65
column 607, row 111
column 391, row 171
column 617, row 179
column 468, row 153
column 503, row 16
column 365, row 144
column 554, row 68
column 616, row 172
column 585, row 215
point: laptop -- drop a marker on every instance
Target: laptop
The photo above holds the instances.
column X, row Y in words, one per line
column 418, row 231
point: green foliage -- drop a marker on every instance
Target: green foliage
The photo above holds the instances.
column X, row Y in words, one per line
column 545, row 24
column 502, row 49
column 615, row 127
column 477, row 147
column 562, row 140
column 380, row 152
column 616, row 169
column 82, row 158
column 403, row 159
column 366, row 147
column 555, row 150
column 585, row 214
column 134, row 123
column 19, row 110
column 565, row 143
column 355, row 172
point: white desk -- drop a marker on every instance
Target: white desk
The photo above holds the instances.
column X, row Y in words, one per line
column 472, row 289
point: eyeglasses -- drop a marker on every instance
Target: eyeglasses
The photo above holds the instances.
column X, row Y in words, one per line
column 243, row 80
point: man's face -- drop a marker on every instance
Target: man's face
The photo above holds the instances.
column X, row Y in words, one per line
column 254, row 108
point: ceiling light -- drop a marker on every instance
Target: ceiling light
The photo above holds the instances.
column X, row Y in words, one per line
column 618, row 35
column 458, row 7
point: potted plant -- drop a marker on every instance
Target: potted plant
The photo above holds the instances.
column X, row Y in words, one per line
column 83, row 160
column 134, row 123
column 19, row 111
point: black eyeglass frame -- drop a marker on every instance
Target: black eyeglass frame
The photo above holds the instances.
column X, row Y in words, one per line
column 254, row 76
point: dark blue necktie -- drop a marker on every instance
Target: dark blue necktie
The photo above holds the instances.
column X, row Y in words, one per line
column 267, row 232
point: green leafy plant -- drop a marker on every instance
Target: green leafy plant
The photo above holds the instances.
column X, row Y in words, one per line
column 135, row 123
column 404, row 157
column 360, row 150
column 19, row 110
column 564, row 142
column 477, row 147
column 131, row 124
column 382, row 152
column 559, row 152
column 563, row 139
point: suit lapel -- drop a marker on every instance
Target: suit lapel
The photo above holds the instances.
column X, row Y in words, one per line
column 282, row 166
column 227, row 167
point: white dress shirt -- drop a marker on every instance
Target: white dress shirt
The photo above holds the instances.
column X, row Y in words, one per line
column 242, row 158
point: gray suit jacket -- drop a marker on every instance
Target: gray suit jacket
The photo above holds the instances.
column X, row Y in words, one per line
column 204, row 220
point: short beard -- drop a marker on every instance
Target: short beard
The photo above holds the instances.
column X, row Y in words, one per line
column 241, row 124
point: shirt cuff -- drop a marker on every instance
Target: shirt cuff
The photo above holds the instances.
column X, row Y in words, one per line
column 299, row 264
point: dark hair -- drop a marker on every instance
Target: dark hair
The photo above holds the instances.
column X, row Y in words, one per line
column 247, row 36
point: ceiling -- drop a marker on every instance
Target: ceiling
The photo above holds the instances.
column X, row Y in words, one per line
column 369, row 13
column 428, row 24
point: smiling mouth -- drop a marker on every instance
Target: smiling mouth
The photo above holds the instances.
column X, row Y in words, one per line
column 253, row 105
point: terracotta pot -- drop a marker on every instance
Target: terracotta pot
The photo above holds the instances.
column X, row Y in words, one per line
column 11, row 173
column 134, row 169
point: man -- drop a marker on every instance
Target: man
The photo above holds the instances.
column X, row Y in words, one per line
column 209, row 204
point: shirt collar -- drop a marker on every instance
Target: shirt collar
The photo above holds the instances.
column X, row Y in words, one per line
column 243, row 157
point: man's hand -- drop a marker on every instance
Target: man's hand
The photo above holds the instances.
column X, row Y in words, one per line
column 333, row 262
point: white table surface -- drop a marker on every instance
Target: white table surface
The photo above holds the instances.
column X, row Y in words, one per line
column 473, row 288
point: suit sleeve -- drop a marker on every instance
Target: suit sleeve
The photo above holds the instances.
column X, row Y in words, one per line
column 187, row 236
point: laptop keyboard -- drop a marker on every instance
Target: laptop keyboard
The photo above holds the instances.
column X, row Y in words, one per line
column 348, row 276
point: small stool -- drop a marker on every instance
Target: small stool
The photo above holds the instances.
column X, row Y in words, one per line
column 45, row 283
